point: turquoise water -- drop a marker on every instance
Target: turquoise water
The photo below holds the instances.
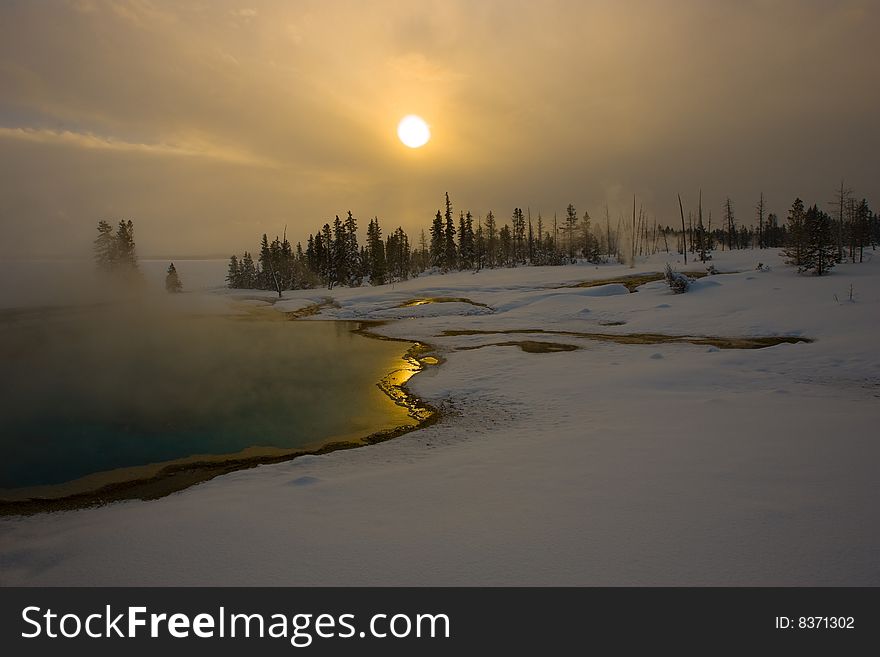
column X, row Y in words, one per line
column 93, row 389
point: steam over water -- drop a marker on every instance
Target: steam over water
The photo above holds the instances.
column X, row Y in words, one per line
column 92, row 388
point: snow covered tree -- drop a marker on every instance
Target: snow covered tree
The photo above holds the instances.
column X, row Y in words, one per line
column 677, row 282
column 172, row 280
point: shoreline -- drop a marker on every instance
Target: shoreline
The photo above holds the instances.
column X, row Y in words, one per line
column 156, row 480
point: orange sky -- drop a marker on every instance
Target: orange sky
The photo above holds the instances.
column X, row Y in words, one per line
column 209, row 123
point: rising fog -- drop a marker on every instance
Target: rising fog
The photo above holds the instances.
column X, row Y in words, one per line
column 137, row 376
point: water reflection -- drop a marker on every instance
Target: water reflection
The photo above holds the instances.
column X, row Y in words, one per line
column 123, row 384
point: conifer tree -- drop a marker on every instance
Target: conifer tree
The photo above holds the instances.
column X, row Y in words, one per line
column 505, row 246
column 125, row 258
column 491, row 240
column 821, row 253
column 172, row 280
column 352, row 251
column 397, row 255
column 531, row 242
column 772, row 232
column 450, row 253
column 105, row 247
column 311, row 258
column 233, row 274
column 479, row 247
column 861, row 229
column 376, row 248
column 437, row 241
column 328, row 266
column 571, row 220
column 519, row 236
column 759, row 210
column 466, row 240
column 540, row 258
column 286, row 265
column 589, row 243
column 249, row 273
column 701, row 238
column 423, row 257
column 364, row 259
column 265, row 260
column 340, row 252
column 795, row 248
column 320, row 266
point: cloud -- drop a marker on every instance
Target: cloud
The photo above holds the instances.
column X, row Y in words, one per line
column 250, row 115
column 91, row 141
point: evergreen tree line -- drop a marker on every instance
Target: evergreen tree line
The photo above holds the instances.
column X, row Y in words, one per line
column 811, row 244
column 115, row 253
column 333, row 255
column 853, row 226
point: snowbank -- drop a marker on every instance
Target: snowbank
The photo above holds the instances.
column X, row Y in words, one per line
column 664, row 464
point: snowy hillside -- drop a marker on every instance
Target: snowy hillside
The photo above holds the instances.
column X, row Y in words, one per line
column 615, row 463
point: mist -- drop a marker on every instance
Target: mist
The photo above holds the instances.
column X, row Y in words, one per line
column 142, row 378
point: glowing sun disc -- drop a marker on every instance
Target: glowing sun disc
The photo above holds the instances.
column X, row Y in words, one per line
column 413, row 131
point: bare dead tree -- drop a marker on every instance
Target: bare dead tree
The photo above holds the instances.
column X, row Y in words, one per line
column 632, row 262
column 843, row 194
column 617, row 237
column 730, row 221
column 684, row 244
column 608, row 229
column 760, row 210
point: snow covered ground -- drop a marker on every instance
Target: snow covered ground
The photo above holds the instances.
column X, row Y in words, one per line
column 615, row 464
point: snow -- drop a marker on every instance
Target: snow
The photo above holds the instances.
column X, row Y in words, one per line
column 656, row 464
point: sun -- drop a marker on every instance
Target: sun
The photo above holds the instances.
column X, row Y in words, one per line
column 413, row 131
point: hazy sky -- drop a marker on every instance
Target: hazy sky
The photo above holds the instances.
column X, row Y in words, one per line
column 208, row 122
